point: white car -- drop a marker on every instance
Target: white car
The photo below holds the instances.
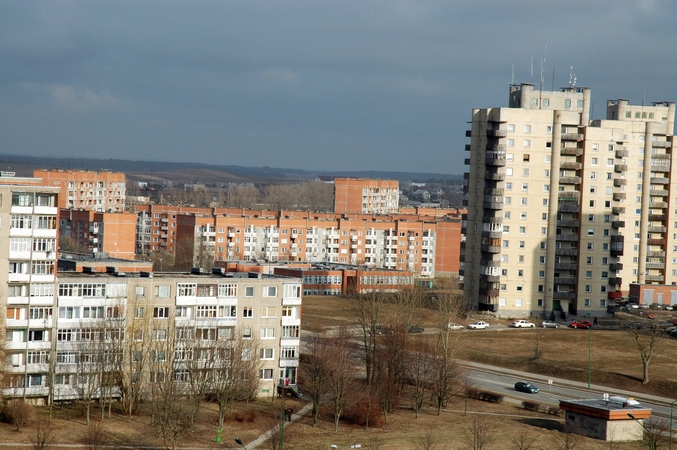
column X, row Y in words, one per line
column 479, row 325
column 522, row 324
column 453, row 326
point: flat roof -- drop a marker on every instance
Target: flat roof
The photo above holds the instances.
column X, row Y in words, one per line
column 610, row 410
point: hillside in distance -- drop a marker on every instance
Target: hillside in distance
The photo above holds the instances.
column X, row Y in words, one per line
column 185, row 172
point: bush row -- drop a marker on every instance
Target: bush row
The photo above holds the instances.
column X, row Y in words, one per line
column 484, row 396
column 537, row 407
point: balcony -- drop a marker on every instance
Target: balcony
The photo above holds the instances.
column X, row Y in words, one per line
column 615, row 267
column 616, row 210
column 619, row 168
column 565, row 280
column 656, row 229
column 493, row 205
column 658, row 193
column 572, row 137
column 495, row 160
column 661, row 144
column 566, row 251
column 494, row 176
column 615, row 281
column 618, row 224
column 567, row 237
column 570, row 165
column 658, row 205
column 490, row 248
column 618, row 182
column 660, row 166
column 655, row 265
column 494, row 220
column 655, row 241
column 497, row 133
column 564, row 295
column 656, row 254
column 568, row 223
column 570, row 180
column 496, row 147
column 492, row 234
column 568, row 207
column 566, row 266
column 657, row 217
column 489, row 277
column 654, row 278
column 660, row 180
column 618, row 196
column 621, row 153
column 493, row 191
column 571, row 151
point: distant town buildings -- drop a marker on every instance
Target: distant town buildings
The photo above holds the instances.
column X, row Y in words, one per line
column 92, row 232
column 564, row 212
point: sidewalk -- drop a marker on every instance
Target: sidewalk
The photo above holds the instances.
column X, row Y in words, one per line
column 261, row 439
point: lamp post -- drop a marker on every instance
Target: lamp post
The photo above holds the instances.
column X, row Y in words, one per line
column 239, row 441
column 648, row 432
column 670, row 441
column 589, row 356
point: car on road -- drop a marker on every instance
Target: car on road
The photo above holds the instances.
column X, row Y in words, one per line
column 522, row 324
column 580, row 324
column 479, row 325
column 415, row 329
column 525, row 386
column 549, row 324
column 453, row 326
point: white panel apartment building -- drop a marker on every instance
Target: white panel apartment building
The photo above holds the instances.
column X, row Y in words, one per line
column 143, row 329
column 563, row 211
column 28, row 243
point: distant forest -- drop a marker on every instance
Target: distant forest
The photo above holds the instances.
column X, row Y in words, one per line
column 23, row 166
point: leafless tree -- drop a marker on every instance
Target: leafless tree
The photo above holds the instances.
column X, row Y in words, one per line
column 341, row 373
column 566, row 440
column 478, row 434
column 391, row 369
column 137, row 347
column 538, row 334
column 315, row 371
column 44, row 435
column 95, row 436
column 242, row 196
column 656, row 433
column 19, row 413
column 523, row 440
column 419, row 366
column 367, row 311
column 648, row 337
column 429, row 440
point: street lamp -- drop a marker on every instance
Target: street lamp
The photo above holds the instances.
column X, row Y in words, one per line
column 589, row 356
column 239, row 441
column 648, row 432
column 670, row 441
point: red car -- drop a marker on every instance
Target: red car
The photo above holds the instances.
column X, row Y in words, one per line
column 580, row 324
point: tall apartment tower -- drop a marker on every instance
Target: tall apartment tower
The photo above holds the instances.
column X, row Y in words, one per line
column 83, row 189
column 565, row 212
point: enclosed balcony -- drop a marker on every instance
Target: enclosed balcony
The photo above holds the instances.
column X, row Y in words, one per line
column 494, row 176
column 571, row 151
column 566, row 251
column 618, row 224
column 621, row 153
column 567, row 237
column 565, row 280
column 570, row 180
column 618, row 196
column 568, row 223
column 618, row 182
column 618, row 168
column 572, row 137
column 570, row 165
column 615, row 281
column 497, row 133
column 566, row 266
column 654, row 278
column 660, row 180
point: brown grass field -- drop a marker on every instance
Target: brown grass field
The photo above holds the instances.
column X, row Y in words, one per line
column 615, row 363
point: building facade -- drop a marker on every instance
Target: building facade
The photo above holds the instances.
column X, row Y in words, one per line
column 28, row 255
column 96, row 232
column 425, row 243
column 84, row 189
column 366, row 196
column 105, row 331
column 563, row 211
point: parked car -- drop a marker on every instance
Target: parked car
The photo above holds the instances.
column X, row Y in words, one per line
column 414, row 329
column 525, row 386
column 479, row 325
column 549, row 324
column 580, row 324
column 453, row 326
column 522, row 324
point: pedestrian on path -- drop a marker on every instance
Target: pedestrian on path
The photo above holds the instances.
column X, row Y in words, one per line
column 594, row 323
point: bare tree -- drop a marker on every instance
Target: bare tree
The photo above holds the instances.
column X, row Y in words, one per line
column 478, row 434
column 44, row 435
column 656, row 433
column 391, row 369
column 429, row 440
column 648, row 337
column 566, row 440
column 315, row 371
column 137, row 347
column 538, row 334
column 366, row 309
column 419, row 366
column 95, row 436
column 19, row 413
column 523, row 440
column 341, row 374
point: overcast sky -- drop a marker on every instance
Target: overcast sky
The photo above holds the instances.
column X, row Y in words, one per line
column 319, row 85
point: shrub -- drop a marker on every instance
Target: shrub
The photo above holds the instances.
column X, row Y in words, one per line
column 484, row 396
column 18, row 413
column 537, row 407
column 361, row 410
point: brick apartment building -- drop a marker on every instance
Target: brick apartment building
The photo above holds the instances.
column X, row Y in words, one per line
column 84, row 189
column 423, row 244
column 366, row 196
column 111, row 233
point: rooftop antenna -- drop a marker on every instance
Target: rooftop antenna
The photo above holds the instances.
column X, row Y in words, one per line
column 552, row 86
column 572, row 78
column 532, row 67
column 512, row 79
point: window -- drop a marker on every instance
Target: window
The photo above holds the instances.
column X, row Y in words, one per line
column 541, row 259
column 139, row 312
column 590, row 246
column 594, row 161
column 586, row 302
column 593, row 175
column 527, row 143
column 249, row 291
column 541, row 274
column 525, row 172
column 519, row 288
column 140, row 291
column 520, row 273
column 162, row 291
column 265, row 374
column 160, row 335
column 588, row 260
column 270, row 291
column 268, row 333
column 247, row 333
column 268, row 311
column 523, row 201
column 588, row 288
column 588, row 274
column 267, row 353
column 247, row 312
column 161, row 313
column 523, row 216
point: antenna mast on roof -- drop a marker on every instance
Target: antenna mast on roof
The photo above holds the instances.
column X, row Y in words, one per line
column 512, row 79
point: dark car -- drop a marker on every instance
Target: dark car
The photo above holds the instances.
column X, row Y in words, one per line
column 580, row 324
column 525, row 386
column 414, row 329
